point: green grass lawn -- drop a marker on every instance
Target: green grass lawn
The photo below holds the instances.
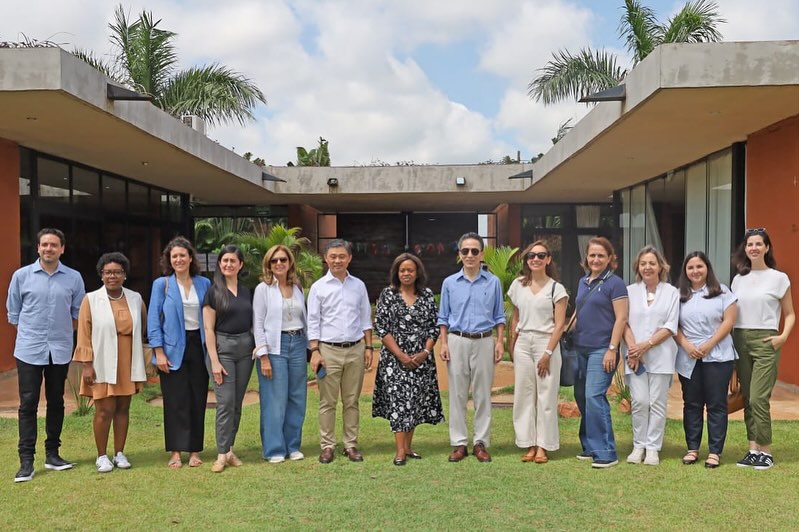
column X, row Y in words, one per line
column 425, row 494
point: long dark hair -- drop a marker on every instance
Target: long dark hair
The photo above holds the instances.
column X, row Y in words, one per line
column 712, row 282
column 527, row 273
column 742, row 263
column 179, row 242
column 218, row 294
column 421, row 275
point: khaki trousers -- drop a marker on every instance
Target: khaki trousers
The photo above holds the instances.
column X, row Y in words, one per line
column 757, row 370
column 345, row 369
column 471, row 363
column 535, row 398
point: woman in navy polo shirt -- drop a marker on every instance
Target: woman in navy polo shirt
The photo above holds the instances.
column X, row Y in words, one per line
column 601, row 305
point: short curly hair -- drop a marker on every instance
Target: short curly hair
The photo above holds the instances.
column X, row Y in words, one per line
column 108, row 258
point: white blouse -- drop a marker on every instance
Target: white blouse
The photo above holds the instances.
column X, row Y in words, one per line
column 645, row 320
column 536, row 310
column 760, row 294
column 191, row 308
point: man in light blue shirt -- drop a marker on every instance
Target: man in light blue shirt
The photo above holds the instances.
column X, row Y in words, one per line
column 43, row 303
column 471, row 308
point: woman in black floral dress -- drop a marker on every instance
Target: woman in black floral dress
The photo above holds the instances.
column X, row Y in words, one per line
column 406, row 388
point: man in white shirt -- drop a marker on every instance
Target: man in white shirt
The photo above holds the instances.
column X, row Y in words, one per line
column 340, row 335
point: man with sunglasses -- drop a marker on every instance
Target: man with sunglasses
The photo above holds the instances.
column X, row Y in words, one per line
column 43, row 304
column 471, row 308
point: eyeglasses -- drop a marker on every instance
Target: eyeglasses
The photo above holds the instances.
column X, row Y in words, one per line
column 474, row 251
column 113, row 273
column 755, row 231
column 541, row 255
column 279, row 259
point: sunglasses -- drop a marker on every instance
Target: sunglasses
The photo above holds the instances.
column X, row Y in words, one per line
column 755, row 231
column 474, row 251
column 279, row 259
column 541, row 255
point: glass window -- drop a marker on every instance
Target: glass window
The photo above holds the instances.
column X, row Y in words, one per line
column 53, row 181
column 85, row 187
column 138, row 199
column 174, row 207
column 719, row 212
column 113, row 194
column 637, row 226
column 696, row 207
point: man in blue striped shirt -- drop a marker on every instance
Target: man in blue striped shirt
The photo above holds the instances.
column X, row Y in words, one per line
column 471, row 308
column 43, row 303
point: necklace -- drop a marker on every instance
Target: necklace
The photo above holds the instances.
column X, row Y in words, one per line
column 290, row 301
column 650, row 297
column 121, row 295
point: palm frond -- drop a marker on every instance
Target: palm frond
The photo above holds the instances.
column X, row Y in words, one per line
column 215, row 93
column 697, row 21
column 145, row 51
column 105, row 67
column 639, row 28
column 568, row 76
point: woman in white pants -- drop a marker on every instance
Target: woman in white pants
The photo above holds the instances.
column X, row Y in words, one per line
column 651, row 352
column 539, row 313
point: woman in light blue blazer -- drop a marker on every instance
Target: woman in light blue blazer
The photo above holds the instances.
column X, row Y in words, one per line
column 175, row 331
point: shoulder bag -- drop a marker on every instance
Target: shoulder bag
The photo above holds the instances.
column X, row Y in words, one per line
column 568, row 367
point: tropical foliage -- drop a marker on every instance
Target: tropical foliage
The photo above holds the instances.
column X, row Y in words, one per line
column 574, row 75
column 256, row 244
column 504, row 263
column 210, row 234
column 145, row 60
column 319, row 156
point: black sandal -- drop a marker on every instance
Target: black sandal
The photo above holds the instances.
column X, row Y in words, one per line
column 690, row 458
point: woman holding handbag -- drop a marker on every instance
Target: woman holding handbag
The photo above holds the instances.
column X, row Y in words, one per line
column 764, row 293
column 706, row 356
column 539, row 312
column 601, row 315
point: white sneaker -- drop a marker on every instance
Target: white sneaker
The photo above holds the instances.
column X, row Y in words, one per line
column 636, row 456
column 121, row 461
column 104, row 465
column 296, row 455
column 652, row 457
column 277, row 459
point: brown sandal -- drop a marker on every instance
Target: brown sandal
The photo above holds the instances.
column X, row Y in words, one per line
column 690, row 457
column 713, row 461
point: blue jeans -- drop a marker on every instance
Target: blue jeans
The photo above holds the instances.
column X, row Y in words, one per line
column 590, row 391
column 283, row 397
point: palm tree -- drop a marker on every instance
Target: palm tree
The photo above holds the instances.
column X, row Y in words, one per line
column 211, row 234
column 319, row 156
column 146, row 62
column 572, row 76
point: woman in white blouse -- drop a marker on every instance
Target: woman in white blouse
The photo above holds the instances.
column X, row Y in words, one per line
column 706, row 355
column 280, row 329
column 764, row 293
column 650, row 351
column 539, row 313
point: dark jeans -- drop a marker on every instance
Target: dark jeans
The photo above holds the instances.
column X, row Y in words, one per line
column 30, row 378
column 707, row 387
column 185, row 394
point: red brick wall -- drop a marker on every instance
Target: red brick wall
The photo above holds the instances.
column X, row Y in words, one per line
column 9, row 261
column 772, row 201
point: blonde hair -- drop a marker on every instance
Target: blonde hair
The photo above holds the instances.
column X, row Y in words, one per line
column 291, row 275
column 664, row 266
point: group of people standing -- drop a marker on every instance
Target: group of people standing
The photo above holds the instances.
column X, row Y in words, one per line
column 198, row 328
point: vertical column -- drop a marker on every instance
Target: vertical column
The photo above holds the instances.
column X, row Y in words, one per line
column 10, row 222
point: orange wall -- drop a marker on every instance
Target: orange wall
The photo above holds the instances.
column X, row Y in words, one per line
column 9, row 260
column 772, row 201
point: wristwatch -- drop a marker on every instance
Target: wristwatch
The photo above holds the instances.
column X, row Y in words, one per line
column 611, row 347
column 548, row 351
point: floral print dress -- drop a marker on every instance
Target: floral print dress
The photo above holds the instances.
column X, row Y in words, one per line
column 406, row 397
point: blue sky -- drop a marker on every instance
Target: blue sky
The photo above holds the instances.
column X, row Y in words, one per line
column 417, row 80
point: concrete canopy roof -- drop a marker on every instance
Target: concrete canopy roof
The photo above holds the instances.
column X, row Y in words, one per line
column 53, row 102
column 683, row 102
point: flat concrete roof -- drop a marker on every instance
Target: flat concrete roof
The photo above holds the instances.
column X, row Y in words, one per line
column 53, row 102
column 683, row 102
